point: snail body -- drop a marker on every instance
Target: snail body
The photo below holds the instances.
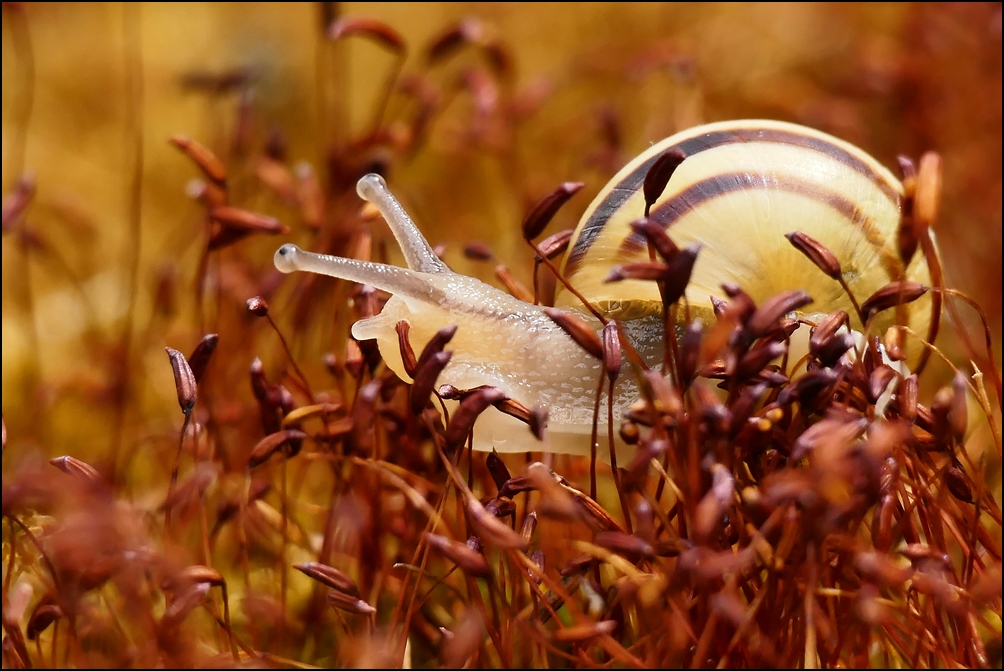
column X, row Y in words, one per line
column 741, row 187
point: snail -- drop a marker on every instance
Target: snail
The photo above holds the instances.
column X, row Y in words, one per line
column 741, row 187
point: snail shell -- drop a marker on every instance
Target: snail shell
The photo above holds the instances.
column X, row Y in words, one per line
column 742, row 186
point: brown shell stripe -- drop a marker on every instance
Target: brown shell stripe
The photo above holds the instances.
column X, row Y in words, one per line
column 692, row 197
column 628, row 186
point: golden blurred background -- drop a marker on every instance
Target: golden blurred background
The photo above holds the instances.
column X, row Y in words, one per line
column 92, row 90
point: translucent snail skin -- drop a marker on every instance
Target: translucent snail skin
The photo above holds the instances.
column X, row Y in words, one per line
column 742, row 186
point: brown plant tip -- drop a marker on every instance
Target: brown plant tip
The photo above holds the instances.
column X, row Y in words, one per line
column 468, row 31
column 425, row 378
column 246, row 221
column 372, row 29
column 462, row 421
column 640, row 270
column 330, row 576
column 196, row 574
column 512, row 285
column 611, row 350
column 927, row 198
column 891, row 295
column 817, row 252
column 478, row 251
column 348, row 603
column 403, row 328
column 491, row 530
column 257, row 306
column 205, row 159
column 184, row 380
column 77, row 468
column 659, row 174
column 681, row 266
column 538, row 421
column 769, row 314
column 556, row 244
column 497, row 469
column 201, row 355
column 625, row 544
column 958, row 484
column 583, row 335
column 467, row 559
column 436, row 344
column 44, row 614
column 656, row 236
column 541, row 214
column 584, row 631
column 268, row 445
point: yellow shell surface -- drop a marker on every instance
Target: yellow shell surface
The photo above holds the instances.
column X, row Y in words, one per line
column 744, row 185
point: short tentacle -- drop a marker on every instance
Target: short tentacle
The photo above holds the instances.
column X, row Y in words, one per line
column 401, row 282
column 417, row 251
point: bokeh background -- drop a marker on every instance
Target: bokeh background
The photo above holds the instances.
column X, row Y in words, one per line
column 591, row 84
column 106, row 265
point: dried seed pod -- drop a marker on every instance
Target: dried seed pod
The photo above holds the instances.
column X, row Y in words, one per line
column 826, row 330
column 497, row 468
column 879, row 380
column 469, row 561
column 77, row 468
column 257, row 306
column 462, row 421
column 372, row 29
column 907, row 398
column 623, row 543
column 958, row 484
column 656, row 236
column 513, row 408
column 767, row 316
column 537, row 557
column 541, row 214
column 43, row 615
column 404, row 345
column 184, row 380
column 330, row 576
column 659, row 174
column 512, row 285
column 425, row 379
column 681, row 266
column 611, row 351
column 529, row 526
column 245, row 220
column 206, row 160
column 754, row 361
column 928, row 194
column 808, row 386
column 501, row 506
column 348, row 602
column 490, row 529
column 555, row 244
column 584, row 336
column 200, row 356
column 891, row 295
column 640, row 270
column 538, row 421
column 268, row 445
column 436, row 344
column 478, row 251
column 817, row 252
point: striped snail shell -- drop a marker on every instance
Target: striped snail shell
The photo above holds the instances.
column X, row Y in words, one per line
column 741, row 187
